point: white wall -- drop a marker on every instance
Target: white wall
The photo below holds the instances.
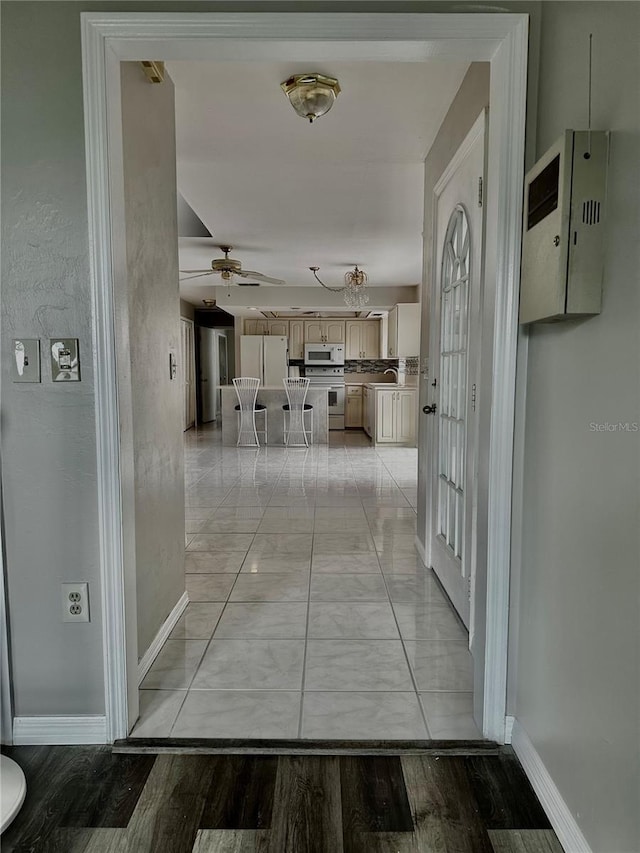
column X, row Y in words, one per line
column 149, row 156
column 577, row 688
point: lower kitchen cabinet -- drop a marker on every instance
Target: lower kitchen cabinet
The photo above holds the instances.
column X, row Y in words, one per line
column 368, row 398
column 395, row 415
column 353, row 407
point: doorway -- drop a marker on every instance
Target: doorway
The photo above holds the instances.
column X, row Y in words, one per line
column 187, row 362
column 213, row 371
column 500, row 39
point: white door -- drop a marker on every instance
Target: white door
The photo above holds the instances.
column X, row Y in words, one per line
column 208, row 372
column 453, row 360
column 187, row 363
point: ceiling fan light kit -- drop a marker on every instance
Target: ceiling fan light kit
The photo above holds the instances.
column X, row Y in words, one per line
column 311, row 95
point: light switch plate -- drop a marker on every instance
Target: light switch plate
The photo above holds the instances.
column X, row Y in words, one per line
column 25, row 360
column 65, row 360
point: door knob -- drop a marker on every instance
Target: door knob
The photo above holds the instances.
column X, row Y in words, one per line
column 429, row 410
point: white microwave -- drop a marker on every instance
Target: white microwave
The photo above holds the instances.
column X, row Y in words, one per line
column 322, row 355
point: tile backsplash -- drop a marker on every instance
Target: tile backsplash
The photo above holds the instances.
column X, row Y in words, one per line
column 411, row 365
column 369, row 365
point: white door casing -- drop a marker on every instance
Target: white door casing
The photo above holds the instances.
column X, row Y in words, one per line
column 455, row 326
column 111, row 37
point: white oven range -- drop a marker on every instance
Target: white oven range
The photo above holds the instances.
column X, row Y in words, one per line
column 333, row 379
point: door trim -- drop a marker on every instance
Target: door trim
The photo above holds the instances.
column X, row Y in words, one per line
column 502, row 40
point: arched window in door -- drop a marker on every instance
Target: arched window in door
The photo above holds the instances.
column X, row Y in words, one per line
column 454, row 287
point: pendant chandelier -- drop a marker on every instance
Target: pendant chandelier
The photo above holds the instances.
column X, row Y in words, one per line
column 355, row 287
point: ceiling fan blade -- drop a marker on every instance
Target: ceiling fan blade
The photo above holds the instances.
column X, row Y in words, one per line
column 200, row 274
column 267, row 279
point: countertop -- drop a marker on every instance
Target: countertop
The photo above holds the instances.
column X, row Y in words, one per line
column 276, row 388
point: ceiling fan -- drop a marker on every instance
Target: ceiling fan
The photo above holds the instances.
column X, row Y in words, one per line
column 228, row 268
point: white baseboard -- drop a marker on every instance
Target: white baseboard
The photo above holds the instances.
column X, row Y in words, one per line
column 160, row 638
column 508, row 728
column 420, row 549
column 558, row 812
column 41, row 731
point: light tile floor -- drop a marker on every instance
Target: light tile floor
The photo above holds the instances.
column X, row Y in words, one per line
column 310, row 614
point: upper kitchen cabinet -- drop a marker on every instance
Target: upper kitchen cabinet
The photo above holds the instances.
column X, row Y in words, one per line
column 404, row 330
column 279, row 328
column 256, row 327
column 296, row 338
column 324, row 331
column 362, row 339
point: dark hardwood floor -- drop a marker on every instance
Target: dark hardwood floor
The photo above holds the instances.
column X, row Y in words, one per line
column 91, row 800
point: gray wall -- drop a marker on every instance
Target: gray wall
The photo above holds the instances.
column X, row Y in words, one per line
column 578, row 684
column 187, row 310
column 48, row 431
column 149, row 156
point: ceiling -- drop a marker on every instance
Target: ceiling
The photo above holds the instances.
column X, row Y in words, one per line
column 286, row 194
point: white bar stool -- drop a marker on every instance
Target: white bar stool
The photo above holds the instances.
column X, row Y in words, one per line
column 247, row 409
column 294, row 413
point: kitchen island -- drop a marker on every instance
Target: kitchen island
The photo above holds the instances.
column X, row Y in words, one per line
column 274, row 397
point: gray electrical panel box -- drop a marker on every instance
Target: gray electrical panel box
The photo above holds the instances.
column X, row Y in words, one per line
column 563, row 238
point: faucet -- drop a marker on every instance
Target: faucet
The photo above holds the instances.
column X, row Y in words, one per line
column 395, row 373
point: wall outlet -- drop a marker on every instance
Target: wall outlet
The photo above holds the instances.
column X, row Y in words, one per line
column 75, row 602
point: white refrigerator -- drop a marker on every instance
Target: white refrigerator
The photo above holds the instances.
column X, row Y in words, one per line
column 264, row 357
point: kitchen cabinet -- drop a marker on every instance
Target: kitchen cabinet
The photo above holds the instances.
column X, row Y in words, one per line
column 362, row 339
column 404, row 330
column 296, row 339
column 395, row 415
column 255, row 326
column 353, row 407
column 324, row 331
column 279, row 328
column 367, row 414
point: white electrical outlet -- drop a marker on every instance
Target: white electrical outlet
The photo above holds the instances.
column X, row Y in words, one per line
column 75, row 602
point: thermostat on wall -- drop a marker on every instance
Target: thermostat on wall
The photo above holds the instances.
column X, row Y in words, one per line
column 563, row 240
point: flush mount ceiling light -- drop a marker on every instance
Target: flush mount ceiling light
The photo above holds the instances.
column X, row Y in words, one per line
column 311, row 95
column 355, row 287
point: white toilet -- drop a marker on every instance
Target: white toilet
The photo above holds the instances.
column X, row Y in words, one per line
column 13, row 788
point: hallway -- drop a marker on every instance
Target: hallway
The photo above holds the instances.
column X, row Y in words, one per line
column 310, row 614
